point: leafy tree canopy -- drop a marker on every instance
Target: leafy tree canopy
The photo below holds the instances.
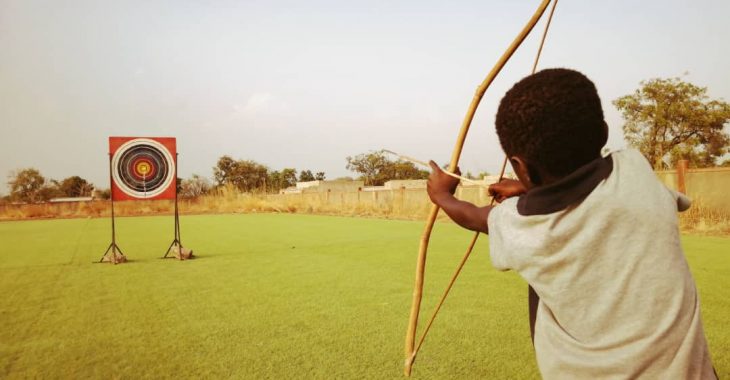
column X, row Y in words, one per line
column 306, row 176
column 195, row 186
column 375, row 168
column 27, row 185
column 278, row 180
column 669, row 120
column 245, row 175
column 74, row 186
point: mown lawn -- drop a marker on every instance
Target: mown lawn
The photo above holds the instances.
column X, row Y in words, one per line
column 273, row 296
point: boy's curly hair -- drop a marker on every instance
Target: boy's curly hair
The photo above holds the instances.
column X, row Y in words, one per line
column 554, row 120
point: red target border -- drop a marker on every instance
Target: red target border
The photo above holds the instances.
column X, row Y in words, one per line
column 167, row 160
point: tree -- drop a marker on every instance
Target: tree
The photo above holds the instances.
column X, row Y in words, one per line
column 245, row 175
column 103, row 193
column 370, row 166
column 403, row 170
column 306, row 176
column 74, row 186
column 27, row 185
column 288, row 177
column 278, row 180
column 376, row 169
column 319, row 176
column 669, row 120
column 250, row 175
column 50, row 191
column 194, row 187
column 224, row 170
column 273, row 181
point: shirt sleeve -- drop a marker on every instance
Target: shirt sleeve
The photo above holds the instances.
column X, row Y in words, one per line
column 497, row 222
column 683, row 201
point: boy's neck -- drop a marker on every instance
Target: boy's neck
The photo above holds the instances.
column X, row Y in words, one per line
column 532, row 176
column 547, row 180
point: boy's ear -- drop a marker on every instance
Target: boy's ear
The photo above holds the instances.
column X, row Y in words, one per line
column 527, row 175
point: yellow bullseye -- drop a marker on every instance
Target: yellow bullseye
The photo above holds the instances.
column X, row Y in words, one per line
column 143, row 168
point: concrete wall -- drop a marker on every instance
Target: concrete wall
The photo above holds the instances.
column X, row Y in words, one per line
column 407, row 183
column 325, row 186
column 709, row 187
column 401, row 201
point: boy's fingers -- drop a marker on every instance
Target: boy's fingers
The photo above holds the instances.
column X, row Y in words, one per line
column 434, row 166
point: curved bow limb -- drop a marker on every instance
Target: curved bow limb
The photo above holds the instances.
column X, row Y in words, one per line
column 456, row 154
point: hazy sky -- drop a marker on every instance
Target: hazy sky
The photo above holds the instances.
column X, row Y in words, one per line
column 306, row 83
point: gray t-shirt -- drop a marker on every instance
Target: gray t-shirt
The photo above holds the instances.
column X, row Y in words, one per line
column 602, row 250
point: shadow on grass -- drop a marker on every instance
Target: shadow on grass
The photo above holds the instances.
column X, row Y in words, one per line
column 127, row 261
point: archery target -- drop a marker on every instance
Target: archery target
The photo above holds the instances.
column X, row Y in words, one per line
column 143, row 168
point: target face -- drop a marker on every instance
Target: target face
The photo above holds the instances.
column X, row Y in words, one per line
column 143, row 167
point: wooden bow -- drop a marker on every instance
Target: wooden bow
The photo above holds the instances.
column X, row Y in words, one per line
column 410, row 348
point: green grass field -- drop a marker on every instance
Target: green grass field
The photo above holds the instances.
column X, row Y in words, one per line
column 273, row 296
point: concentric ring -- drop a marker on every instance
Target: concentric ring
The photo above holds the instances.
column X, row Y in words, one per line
column 143, row 168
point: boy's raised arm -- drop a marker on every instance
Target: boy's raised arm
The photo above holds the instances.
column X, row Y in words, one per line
column 441, row 188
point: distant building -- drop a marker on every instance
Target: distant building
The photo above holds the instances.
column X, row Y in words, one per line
column 324, row 186
column 70, row 199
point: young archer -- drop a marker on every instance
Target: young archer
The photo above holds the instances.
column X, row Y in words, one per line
column 597, row 238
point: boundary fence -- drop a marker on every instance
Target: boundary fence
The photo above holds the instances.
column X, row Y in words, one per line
column 709, row 187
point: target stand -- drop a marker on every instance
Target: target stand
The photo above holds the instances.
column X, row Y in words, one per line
column 113, row 253
column 176, row 247
column 143, row 168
